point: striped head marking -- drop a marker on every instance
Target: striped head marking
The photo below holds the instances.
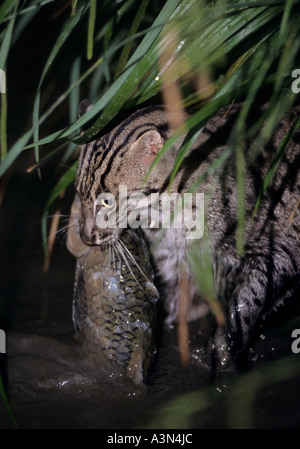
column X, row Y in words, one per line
column 123, row 156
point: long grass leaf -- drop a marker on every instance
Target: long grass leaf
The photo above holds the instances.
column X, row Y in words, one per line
column 216, row 38
column 133, row 29
column 69, row 26
column 74, row 6
column 278, row 155
column 242, row 412
column 196, row 122
column 6, row 403
column 15, row 151
column 7, row 38
column 44, row 231
column 74, row 100
column 3, row 120
column 66, row 180
column 135, row 69
column 188, row 142
column 35, row 120
column 251, row 92
column 50, row 155
column 24, row 19
column 284, row 28
column 91, row 28
column 6, row 7
column 21, row 143
column 90, row 115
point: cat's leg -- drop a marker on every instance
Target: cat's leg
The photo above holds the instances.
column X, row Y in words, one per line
column 261, row 282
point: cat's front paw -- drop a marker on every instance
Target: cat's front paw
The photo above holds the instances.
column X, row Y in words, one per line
column 224, row 353
column 220, row 352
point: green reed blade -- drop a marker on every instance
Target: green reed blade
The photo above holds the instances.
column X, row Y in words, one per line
column 3, row 120
column 91, row 28
column 6, row 7
column 277, row 157
column 135, row 69
column 69, row 26
column 132, row 31
column 6, row 403
column 66, row 180
column 5, row 46
column 109, row 95
column 14, row 152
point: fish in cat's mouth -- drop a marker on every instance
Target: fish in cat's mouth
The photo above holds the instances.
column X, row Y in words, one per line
column 107, row 238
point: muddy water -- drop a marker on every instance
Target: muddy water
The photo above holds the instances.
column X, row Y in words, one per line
column 50, row 385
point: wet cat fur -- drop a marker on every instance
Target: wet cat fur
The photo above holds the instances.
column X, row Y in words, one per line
column 249, row 285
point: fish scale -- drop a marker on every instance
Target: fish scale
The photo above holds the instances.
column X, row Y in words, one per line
column 114, row 304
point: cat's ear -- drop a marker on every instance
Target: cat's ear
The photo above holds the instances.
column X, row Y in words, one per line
column 148, row 145
column 83, row 107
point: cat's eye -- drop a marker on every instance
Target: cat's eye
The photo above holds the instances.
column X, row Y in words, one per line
column 107, row 203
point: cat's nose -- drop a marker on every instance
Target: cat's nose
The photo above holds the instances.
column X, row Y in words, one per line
column 87, row 239
column 90, row 240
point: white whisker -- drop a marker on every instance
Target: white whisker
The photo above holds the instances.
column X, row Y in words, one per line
column 59, row 232
column 114, row 259
column 126, row 252
column 62, row 230
column 122, row 256
column 109, row 256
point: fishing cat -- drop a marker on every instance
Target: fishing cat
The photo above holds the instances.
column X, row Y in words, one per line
column 248, row 285
column 114, row 300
